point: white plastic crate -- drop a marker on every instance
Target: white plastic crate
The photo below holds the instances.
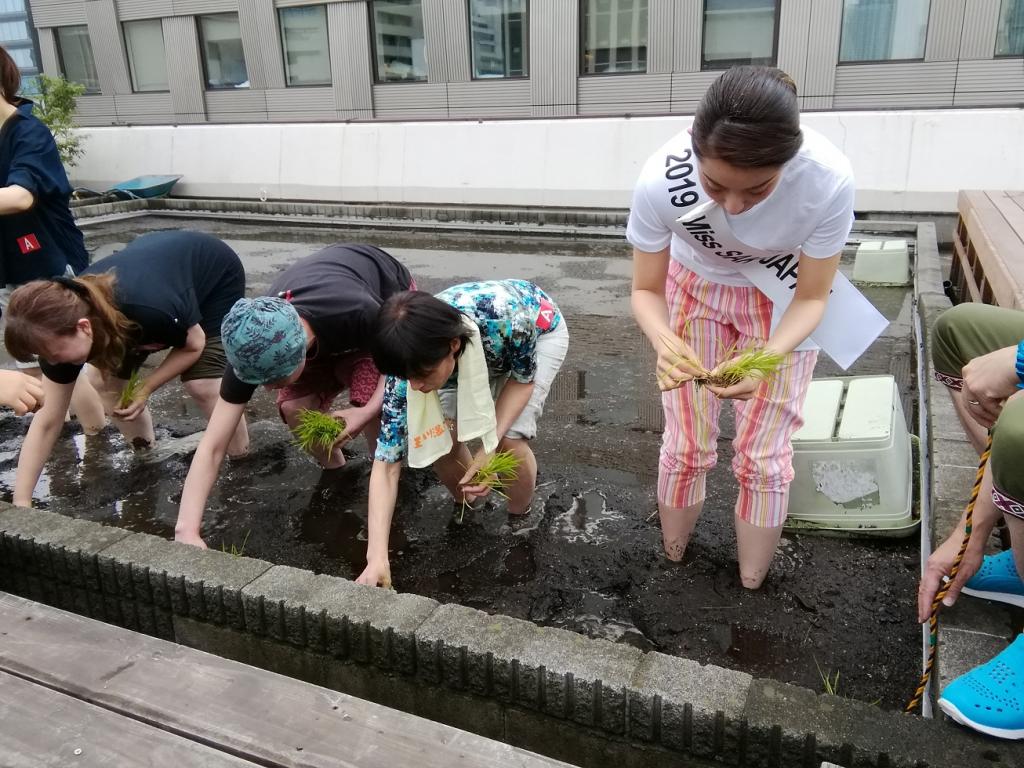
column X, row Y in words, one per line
column 852, row 459
column 882, row 262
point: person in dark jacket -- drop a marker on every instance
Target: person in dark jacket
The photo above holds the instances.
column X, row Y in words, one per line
column 38, row 235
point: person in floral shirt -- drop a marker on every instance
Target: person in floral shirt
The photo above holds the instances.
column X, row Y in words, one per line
column 418, row 341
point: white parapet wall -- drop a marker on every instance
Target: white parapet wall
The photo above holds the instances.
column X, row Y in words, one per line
column 905, row 161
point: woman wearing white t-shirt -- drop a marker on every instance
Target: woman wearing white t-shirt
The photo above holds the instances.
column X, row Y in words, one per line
column 751, row 188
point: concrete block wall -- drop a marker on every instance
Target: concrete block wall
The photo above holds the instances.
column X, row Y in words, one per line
column 589, row 702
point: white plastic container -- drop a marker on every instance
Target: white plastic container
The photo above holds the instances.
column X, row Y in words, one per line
column 882, row 262
column 852, row 458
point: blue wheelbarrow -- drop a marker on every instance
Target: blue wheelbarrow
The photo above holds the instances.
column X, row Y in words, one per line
column 140, row 187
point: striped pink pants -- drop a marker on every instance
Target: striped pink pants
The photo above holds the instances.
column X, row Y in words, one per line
column 717, row 317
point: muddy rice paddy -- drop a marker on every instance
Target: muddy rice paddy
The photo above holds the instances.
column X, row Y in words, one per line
column 587, row 557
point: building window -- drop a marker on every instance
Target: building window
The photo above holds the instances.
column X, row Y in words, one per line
column 883, row 30
column 498, row 32
column 1010, row 34
column 304, row 39
column 614, row 36
column 144, row 41
column 75, row 53
column 739, row 32
column 399, row 41
column 221, row 44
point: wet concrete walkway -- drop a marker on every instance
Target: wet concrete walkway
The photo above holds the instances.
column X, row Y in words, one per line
column 588, row 557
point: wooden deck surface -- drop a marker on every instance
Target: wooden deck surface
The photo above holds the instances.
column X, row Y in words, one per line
column 988, row 263
column 77, row 692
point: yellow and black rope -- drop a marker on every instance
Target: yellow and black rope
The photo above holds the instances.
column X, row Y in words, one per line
column 933, row 618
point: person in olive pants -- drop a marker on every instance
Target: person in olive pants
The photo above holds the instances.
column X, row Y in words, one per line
column 978, row 351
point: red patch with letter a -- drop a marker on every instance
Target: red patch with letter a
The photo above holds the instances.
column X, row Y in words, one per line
column 28, row 243
column 546, row 316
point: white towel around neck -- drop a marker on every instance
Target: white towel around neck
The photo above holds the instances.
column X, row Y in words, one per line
column 429, row 438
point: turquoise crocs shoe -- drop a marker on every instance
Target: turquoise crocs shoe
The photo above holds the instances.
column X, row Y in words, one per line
column 997, row 579
column 990, row 698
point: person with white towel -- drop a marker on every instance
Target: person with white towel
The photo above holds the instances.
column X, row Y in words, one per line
column 475, row 361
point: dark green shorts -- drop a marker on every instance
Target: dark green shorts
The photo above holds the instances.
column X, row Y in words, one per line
column 210, row 364
column 963, row 333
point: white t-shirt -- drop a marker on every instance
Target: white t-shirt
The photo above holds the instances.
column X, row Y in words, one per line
column 810, row 209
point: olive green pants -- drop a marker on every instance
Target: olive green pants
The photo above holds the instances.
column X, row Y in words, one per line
column 963, row 333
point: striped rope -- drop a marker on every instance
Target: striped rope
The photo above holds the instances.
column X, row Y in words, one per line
column 933, row 618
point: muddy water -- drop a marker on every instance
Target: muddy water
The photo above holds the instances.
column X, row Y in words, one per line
column 587, row 557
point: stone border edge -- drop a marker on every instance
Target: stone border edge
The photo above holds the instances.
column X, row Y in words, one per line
column 617, row 693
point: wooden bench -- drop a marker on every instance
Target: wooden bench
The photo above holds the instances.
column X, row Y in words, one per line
column 77, row 692
column 988, row 264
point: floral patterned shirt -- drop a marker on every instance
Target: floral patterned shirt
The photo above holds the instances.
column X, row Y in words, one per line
column 511, row 316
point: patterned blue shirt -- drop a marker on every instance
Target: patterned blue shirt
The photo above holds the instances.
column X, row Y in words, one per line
column 511, row 316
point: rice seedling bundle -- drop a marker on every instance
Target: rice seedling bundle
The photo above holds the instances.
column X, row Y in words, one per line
column 752, row 363
column 500, row 471
column 131, row 389
column 316, row 429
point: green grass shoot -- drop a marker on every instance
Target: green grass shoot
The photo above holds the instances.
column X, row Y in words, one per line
column 317, row 430
column 829, row 681
column 753, row 363
column 500, row 471
column 236, row 551
column 131, row 389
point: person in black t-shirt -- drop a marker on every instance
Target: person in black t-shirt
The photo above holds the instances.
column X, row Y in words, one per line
column 164, row 290
column 308, row 339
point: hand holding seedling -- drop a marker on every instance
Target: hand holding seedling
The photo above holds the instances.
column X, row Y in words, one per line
column 318, row 433
column 487, row 472
column 677, row 363
column 355, row 420
column 473, row 483
column 739, row 377
column 133, row 399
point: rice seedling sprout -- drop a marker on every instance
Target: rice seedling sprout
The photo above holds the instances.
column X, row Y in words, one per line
column 316, row 429
column 236, row 551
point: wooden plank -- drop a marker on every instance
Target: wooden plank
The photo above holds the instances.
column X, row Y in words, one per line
column 992, row 258
column 1000, row 250
column 1013, row 213
column 41, row 727
column 258, row 715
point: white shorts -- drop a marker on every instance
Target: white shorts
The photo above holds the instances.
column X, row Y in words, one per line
column 551, row 350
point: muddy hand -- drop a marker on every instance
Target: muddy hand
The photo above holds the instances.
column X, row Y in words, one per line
column 376, row 574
